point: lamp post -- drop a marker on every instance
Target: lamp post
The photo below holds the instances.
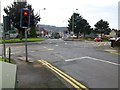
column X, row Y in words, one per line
column 73, row 22
column 40, row 18
column 39, row 11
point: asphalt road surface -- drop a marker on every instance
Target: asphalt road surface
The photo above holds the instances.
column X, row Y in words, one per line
column 86, row 61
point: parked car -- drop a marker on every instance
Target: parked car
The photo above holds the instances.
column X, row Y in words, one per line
column 98, row 39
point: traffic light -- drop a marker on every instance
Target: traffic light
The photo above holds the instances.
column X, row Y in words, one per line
column 25, row 18
column 6, row 22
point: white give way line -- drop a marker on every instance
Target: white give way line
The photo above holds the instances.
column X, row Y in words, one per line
column 95, row 59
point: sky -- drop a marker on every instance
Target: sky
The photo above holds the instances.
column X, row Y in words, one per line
column 58, row 12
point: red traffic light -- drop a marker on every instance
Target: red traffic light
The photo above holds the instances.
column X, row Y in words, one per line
column 25, row 13
column 25, row 18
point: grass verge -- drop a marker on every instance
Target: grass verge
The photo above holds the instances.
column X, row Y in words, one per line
column 17, row 40
column 7, row 60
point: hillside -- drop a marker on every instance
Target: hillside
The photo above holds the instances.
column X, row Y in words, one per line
column 53, row 28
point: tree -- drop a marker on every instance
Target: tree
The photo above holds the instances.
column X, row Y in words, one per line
column 102, row 27
column 33, row 33
column 84, row 27
column 78, row 25
column 72, row 22
column 14, row 12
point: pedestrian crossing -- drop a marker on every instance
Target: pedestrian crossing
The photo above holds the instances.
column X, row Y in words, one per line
column 91, row 44
column 98, row 44
column 102, row 44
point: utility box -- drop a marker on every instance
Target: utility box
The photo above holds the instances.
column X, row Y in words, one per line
column 7, row 76
column 115, row 42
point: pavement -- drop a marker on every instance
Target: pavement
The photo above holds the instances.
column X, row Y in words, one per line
column 115, row 50
column 35, row 75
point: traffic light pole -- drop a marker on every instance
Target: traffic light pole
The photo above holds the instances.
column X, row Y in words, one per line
column 4, row 46
column 25, row 23
column 26, row 53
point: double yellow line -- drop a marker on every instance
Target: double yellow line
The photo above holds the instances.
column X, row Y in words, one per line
column 66, row 77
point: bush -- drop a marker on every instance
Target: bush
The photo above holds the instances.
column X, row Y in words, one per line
column 106, row 39
column 33, row 33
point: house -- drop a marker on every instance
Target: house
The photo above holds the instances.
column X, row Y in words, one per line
column 113, row 33
column 41, row 32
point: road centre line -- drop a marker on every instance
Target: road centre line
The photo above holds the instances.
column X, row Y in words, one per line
column 66, row 77
column 95, row 59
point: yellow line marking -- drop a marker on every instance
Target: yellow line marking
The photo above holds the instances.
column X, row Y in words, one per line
column 50, row 49
column 67, row 76
column 64, row 76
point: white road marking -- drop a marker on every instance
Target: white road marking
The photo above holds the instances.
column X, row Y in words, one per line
column 95, row 59
column 56, row 45
column 100, row 44
column 32, row 51
column 96, row 44
column 59, row 56
column 103, row 61
column 75, row 59
column 44, row 47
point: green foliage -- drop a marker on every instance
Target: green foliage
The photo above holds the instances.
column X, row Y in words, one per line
column 78, row 25
column 1, row 59
column 102, row 27
column 33, row 33
column 7, row 60
column 14, row 12
column 23, row 40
